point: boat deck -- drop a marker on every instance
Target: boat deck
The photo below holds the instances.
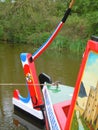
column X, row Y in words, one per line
column 60, row 93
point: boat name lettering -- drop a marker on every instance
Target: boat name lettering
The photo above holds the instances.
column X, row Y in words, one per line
column 50, row 113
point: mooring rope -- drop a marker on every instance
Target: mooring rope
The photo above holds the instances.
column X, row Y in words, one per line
column 22, row 84
column 17, row 84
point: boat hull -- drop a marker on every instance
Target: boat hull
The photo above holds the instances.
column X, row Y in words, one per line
column 26, row 107
column 57, row 103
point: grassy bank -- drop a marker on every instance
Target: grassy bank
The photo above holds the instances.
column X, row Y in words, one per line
column 33, row 21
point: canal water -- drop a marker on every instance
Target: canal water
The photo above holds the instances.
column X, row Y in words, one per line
column 60, row 66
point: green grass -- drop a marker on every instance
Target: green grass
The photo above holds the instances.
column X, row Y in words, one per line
column 84, row 123
column 32, row 23
column 74, row 125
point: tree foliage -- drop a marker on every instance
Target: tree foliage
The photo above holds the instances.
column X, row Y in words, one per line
column 31, row 21
column 88, row 9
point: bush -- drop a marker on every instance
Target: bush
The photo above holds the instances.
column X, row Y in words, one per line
column 1, row 31
column 32, row 21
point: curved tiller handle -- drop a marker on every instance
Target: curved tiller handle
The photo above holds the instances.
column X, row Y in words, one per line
column 45, row 45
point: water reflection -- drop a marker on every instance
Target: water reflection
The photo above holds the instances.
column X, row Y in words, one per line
column 61, row 66
column 27, row 122
column 6, row 109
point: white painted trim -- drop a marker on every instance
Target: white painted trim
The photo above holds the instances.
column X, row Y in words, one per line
column 28, row 108
column 54, row 125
